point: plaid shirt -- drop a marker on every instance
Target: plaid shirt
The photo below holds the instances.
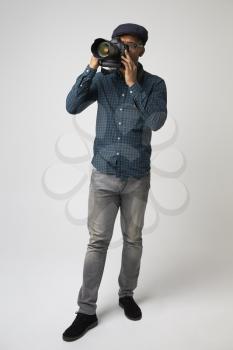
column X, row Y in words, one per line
column 125, row 119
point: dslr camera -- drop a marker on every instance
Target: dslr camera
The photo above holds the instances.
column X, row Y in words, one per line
column 109, row 52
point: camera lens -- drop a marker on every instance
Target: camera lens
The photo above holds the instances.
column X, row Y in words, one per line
column 108, row 51
column 103, row 49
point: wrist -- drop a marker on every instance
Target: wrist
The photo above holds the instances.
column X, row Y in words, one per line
column 92, row 67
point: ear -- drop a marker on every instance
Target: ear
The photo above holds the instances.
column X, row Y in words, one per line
column 142, row 53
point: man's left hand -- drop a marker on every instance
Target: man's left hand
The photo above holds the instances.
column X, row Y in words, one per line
column 130, row 70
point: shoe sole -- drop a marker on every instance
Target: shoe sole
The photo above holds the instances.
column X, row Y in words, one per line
column 83, row 333
column 130, row 318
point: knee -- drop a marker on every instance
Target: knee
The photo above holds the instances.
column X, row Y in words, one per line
column 132, row 240
column 98, row 243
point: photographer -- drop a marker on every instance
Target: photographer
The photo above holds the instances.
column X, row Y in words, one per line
column 131, row 104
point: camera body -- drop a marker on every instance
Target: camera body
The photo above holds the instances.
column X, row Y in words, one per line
column 109, row 52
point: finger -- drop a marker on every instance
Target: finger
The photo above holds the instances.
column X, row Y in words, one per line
column 127, row 53
column 128, row 56
column 125, row 64
column 128, row 66
column 124, row 58
column 130, row 62
column 126, row 69
column 126, row 61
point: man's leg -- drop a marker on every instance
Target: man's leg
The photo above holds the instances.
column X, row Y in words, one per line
column 103, row 205
column 133, row 205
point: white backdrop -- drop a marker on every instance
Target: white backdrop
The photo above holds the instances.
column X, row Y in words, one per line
column 185, row 282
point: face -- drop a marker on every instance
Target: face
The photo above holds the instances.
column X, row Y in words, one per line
column 134, row 53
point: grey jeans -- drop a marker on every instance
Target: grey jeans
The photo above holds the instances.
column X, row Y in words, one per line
column 106, row 194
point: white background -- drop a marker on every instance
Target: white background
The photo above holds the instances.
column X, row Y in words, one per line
column 185, row 283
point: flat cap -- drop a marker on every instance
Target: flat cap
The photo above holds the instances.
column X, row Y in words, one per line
column 133, row 29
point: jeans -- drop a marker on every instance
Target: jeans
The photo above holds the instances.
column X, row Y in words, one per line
column 106, row 194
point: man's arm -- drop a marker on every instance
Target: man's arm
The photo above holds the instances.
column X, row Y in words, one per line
column 153, row 107
column 84, row 92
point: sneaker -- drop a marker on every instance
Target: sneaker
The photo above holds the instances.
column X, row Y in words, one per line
column 131, row 309
column 80, row 326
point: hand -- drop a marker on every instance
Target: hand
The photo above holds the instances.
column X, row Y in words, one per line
column 94, row 63
column 130, row 70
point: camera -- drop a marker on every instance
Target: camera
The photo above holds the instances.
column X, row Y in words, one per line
column 109, row 52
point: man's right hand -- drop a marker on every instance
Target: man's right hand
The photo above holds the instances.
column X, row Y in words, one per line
column 94, row 63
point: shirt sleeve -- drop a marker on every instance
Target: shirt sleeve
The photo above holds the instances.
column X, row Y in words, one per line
column 84, row 92
column 152, row 106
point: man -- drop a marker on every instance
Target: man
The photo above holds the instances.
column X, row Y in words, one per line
column 131, row 103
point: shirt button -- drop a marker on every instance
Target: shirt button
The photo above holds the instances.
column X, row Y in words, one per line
column 118, row 138
column 118, row 153
column 87, row 70
column 122, row 94
column 120, row 109
column 81, row 84
column 131, row 91
column 119, row 123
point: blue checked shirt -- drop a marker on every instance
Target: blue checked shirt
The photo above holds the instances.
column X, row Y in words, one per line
column 125, row 119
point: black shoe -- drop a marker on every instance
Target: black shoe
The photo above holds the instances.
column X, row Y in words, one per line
column 131, row 309
column 80, row 326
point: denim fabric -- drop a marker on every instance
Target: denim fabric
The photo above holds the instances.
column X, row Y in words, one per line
column 108, row 193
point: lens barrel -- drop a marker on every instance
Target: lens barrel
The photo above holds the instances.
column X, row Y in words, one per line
column 108, row 51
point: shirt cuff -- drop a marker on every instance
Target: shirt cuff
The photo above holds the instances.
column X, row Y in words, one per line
column 90, row 72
